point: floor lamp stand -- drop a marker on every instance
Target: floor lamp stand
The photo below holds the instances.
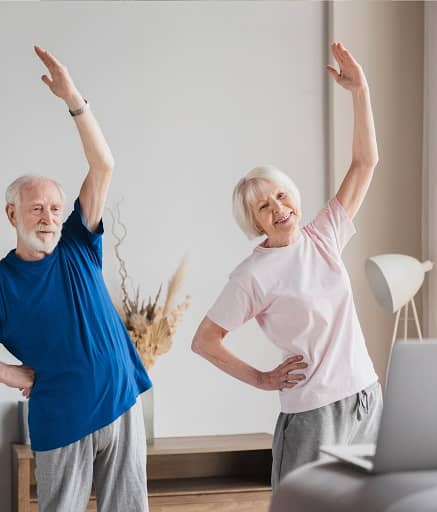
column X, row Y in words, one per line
column 416, row 321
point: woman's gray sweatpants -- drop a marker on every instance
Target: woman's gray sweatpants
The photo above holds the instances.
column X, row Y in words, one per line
column 298, row 437
column 114, row 457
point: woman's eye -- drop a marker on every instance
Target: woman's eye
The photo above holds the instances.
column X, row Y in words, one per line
column 281, row 195
column 263, row 206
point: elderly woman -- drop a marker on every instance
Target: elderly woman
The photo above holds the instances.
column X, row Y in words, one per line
column 296, row 286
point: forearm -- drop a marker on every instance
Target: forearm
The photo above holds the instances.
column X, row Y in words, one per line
column 95, row 147
column 3, row 372
column 364, row 146
column 221, row 357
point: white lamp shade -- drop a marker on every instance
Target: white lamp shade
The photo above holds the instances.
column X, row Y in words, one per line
column 395, row 278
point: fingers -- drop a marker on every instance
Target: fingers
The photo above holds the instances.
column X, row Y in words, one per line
column 25, row 392
column 48, row 59
column 291, row 359
column 342, row 55
column 292, row 363
column 42, row 54
column 295, row 377
column 333, row 72
column 282, row 377
column 47, row 80
column 292, row 381
column 339, row 53
column 346, row 55
column 285, row 378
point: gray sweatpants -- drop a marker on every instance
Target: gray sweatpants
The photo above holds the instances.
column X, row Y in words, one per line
column 298, row 437
column 114, row 457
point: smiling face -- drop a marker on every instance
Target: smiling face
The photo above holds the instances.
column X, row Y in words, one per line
column 276, row 213
column 37, row 218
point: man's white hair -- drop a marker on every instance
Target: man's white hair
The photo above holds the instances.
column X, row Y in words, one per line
column 251, row 187
column 13, row 191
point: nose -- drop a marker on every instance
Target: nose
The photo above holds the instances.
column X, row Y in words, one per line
column 46, row 216
column 276, row 206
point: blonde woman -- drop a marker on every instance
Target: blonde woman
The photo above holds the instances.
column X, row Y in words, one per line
column 297, row 288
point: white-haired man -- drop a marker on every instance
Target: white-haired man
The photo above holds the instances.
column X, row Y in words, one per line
column 81, row 371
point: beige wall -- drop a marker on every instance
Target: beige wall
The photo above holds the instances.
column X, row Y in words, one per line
column 429, row 185
column 387, row 39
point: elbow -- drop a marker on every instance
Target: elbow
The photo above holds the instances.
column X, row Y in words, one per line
column 207, row 338
column 196, row 346
column 366, row 164
column 103, row 165
column 373, row 162
column 107, row 160
column 108, row 164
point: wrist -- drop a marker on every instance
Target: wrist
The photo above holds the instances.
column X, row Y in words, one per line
column 361, row 91
column 74, row 101
column 80, row 110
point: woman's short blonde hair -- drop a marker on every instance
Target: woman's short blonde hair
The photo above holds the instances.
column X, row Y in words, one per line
column 250, row 188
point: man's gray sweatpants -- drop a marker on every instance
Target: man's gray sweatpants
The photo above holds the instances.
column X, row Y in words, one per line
column 298, row 437
column 114, row 457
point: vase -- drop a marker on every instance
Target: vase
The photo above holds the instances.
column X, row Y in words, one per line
column 147, row 403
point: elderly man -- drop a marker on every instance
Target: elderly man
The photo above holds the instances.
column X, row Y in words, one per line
column 81, row 371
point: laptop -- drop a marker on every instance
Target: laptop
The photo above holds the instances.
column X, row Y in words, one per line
column 407, row 437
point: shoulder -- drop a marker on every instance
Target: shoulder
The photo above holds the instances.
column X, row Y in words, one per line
column 250, row 276
column 246, row 271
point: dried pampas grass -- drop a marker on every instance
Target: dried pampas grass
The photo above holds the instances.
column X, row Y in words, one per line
column 151, row 327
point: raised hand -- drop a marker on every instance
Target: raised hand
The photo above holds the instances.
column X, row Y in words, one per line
column 282, row 377
column 351, row 76
column 59, row 80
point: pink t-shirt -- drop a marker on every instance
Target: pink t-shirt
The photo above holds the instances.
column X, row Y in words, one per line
column 301, row 297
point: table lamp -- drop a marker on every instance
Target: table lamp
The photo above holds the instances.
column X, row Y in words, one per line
column 395, row 279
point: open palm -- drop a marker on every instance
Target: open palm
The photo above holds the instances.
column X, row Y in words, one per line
column 59, row 81
column 351, row 75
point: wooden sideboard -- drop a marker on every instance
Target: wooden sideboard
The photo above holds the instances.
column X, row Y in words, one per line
column 185, row 474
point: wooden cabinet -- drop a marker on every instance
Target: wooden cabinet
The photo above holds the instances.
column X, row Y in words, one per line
column 185, row 474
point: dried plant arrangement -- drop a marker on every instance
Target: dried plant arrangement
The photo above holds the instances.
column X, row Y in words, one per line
column 151, row 326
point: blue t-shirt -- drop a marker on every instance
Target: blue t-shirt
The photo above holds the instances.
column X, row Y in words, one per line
column 56, row 316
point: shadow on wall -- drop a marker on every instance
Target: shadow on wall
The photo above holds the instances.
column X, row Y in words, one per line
column 9, row 433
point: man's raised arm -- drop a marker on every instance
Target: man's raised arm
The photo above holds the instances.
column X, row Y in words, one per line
column 94, row 189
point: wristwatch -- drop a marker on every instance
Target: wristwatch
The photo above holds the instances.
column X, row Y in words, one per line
column 80, row 110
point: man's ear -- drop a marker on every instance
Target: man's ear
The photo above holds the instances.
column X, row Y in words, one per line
column 11, row 212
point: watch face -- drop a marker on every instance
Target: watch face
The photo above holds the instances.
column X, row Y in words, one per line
column 80, row 110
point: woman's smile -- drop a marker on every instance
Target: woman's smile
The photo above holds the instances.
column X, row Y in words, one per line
column 284, row 218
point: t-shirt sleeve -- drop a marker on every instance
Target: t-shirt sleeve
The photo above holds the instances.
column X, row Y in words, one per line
column 333, row 224
column 75, row 229
column 234, row 306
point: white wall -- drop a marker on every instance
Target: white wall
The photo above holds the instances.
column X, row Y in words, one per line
column 190, row 95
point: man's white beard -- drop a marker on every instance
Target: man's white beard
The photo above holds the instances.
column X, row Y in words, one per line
column 31, row 240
